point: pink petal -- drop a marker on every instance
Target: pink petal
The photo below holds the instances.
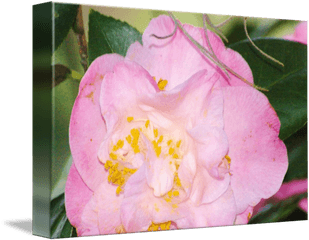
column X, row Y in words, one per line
column 207, row 189
column 77, row 195
column 244, row 217
column 221, row 212
column 108, row 206
column 258, row 157
column 87, row 127
column 122, row 88
column 303, row 204
column 140, row 207
column 89, row 220
column 300, row 34
column 176, row 58
column 187, row 171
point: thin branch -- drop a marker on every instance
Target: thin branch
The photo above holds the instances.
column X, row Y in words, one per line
column 215, row 28
column 81, row 38
column 224, row 22
column 263, row 53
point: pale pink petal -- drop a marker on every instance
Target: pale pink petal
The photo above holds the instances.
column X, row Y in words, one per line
column 303, row 204
column 87, row 127
column 123, row 87
column 244, row 217
column 176, row 58
column 197, row 100
column 211, row 145
column 140, row 207
column 108, row 208
column 89, row 225
column 207, row 189
column 77, row 195
column 300, row 34
column 221, row 212
column 258, row 157
column 187, row 171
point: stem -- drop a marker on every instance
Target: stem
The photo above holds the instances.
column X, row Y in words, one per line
column 81, row 38
column 263, row 53
column 225, row 22
column 215, row 28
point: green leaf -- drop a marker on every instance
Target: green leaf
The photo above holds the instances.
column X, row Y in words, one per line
column 297, row 155
column 60, row 225
column 108, row 35
column 277, row 212
column 64, row 96
column 287, row 85
column 68, row 55
column 64, row 15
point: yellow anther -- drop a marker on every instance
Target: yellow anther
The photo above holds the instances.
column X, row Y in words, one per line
column 118, row 190
column 177, row 180
column 168, row 199
column 178, row 143
column 176, row 165
column 176, row 193
column 154, row 78
column 156, row 148
column 169, row 142
column 120, row 143
column 147, row 123
column 228, row 159
column 168, row 224
column 134, row 132
column 170, row 193
column 129, row 139
column 113, row 156
column 160, row 139
column 175, row 205
column 162, row 84
column 108, row 164
column 175, row 156
column 171, row 151
column 130, row 119
column 163, row 226
column 155, row 132
column 115, row 148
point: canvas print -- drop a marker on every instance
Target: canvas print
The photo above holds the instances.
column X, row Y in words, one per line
column 170, row 120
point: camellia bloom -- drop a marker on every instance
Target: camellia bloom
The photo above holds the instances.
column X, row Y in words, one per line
column 163, row 139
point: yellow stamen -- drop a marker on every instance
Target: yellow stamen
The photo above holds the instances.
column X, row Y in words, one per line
column 171, row 151
column 176, row 193
column 177, row 180
column 147, row 123
column 162, row 84
column 168, row 199
column 155, row 132
column 169, row 142
column 130, row 119
column 108, row 164
column 118, row 190
column 228, row 159
column 175, row 205
column 175, row 156
column 160, row 139
column 170, row 193
column 129, row 139
column 178, row 143
column 113, row 156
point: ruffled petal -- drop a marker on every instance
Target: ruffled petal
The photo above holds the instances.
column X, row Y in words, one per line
column 77, row 195
column 258, row 157
column 140, row 207
column 207, row 189
column 89, row 225
column 87, row 127
column 244, row 217
column 221, row 212
column 122, row 88
column 176, row 58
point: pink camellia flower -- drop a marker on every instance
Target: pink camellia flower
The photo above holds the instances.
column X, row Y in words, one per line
column 163, row 139
column 300, row 33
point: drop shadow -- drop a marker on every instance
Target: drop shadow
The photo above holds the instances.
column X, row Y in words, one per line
column 24, row 225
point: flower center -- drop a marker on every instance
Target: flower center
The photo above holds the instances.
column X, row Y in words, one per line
column 131, row 150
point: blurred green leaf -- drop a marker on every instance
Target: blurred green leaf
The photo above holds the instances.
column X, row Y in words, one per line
column 287, row 85
column 64, row 96
column 68, row 54
column 297, row 155
column 108, row 35
column 277, row 212
column 60, row 225
column 64, row 15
